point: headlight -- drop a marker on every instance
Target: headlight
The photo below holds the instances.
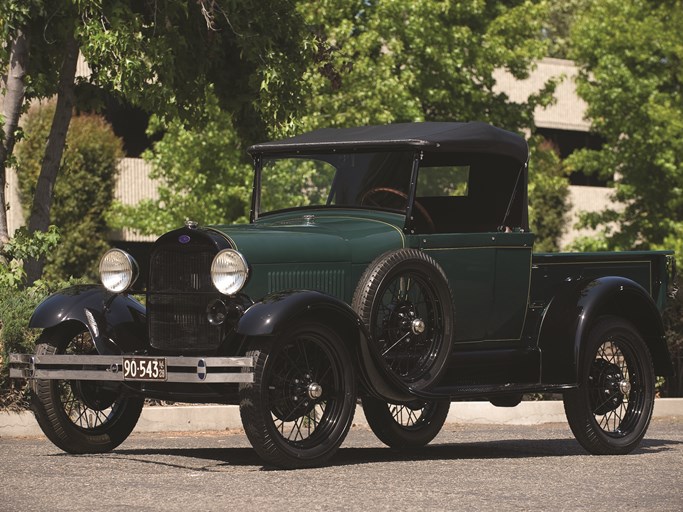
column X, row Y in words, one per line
column 229, row 271
column 118, row 270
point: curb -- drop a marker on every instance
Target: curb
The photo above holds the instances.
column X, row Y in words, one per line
column 224, row 417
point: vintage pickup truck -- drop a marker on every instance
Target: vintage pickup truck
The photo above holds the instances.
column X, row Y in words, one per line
column 393, row 265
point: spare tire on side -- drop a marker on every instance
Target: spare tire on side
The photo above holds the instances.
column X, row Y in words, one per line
column 404, row 299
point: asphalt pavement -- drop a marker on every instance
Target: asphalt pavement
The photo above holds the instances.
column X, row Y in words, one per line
column 467, row 467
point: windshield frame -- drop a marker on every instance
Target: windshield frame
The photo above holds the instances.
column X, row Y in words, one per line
column 255, row 212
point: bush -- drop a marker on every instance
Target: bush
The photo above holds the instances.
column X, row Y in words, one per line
column 16, row 308
column 84, row 189
column 548, row 195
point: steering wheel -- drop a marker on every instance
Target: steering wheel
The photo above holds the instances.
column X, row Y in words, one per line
column 366, row 200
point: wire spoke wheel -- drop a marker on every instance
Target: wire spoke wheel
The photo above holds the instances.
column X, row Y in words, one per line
column 617, row 394
column 408, row 325
column 305, row 390
column 299, row 408
column 405, row 301
column 405, row 426
column 81, row 416
column 610, row 411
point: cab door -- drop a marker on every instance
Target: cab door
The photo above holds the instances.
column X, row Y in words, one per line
column 489, row 275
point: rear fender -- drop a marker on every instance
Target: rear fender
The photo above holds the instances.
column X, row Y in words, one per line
column 278, row 311
column 117, row 322
column 573, row 311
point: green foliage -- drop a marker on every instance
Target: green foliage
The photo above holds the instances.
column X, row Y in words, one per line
column 558, row 25
column 391, row 61
column 375, row 62
column 22, row 246
column 548, row 193
column 163, row 56
column 83, row 192
column 16, row 307
column 630, row 54
column 201, row 176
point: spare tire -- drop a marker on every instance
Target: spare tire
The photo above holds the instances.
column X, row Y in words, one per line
column 404, row 300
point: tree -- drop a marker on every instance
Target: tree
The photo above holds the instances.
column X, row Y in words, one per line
column 201, row 175
column 558, row 25
column 630, row 54
column 548, row 195
column 83, row 192
column 429, row 60
column 161, row 56
column 375, row 62
column 15, row 31
column 391, row 61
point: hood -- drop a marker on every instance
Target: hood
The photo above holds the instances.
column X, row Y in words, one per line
column 314, row 237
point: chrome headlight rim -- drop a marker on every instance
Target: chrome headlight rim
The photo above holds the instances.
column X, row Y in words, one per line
column 118, row 270
column 229, row 282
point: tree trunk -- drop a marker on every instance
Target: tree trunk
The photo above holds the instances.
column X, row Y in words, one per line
column 42, row 201
column 12, row 103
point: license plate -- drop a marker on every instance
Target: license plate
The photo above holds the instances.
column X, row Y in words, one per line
column 144, row 368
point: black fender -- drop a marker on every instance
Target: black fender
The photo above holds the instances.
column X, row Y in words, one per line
column 570, row 315
column 277, row 311
column 117, row 322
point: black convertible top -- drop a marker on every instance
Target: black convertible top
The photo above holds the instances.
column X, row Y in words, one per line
column 472, row 137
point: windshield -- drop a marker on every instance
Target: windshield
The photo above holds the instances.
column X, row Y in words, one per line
column 375, row 180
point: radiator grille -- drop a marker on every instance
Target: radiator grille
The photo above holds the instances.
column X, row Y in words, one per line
column 187, row 270
column 179, row 294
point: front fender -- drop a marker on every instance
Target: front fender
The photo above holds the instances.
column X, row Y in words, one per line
column 117, row 323
column 278, row 310
column 572, row 312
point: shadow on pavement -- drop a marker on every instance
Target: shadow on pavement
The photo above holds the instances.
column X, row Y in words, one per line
column 220, row 459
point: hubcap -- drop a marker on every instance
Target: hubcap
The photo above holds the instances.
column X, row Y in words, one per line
column 417, row 326
column 315, row 390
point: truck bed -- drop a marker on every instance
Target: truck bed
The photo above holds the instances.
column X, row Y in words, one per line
column 650, row 269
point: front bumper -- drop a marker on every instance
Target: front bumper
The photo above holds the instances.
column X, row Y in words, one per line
column 189, row 370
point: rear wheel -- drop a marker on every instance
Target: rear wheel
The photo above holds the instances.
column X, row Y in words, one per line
column 300, row 406
column 405, row 426
column 80, row 416
column 611, row 409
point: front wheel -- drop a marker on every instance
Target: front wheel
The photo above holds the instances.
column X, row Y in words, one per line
column 300, row 406
column 80, row 416
column 611, row 409
column 405, row 426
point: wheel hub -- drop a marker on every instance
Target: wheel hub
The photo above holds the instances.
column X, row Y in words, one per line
column 417, row 326
column 609, row 385
column 92, row 395
column 625, row 387
column 300, row 393
column 315, row 390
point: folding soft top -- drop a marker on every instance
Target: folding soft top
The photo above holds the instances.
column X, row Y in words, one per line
column 472, row 137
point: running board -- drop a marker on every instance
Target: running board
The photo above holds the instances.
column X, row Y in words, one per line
column 190, row 370
column 488, row 390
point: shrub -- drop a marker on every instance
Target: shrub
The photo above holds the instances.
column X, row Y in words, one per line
column 84, row 189
column 548, row 195
column 16, row 308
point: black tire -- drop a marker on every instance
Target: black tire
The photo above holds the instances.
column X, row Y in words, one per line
column 299, row 408
column 398, row 290
column 80, row 416
column 611, row 409
column 405, row 426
